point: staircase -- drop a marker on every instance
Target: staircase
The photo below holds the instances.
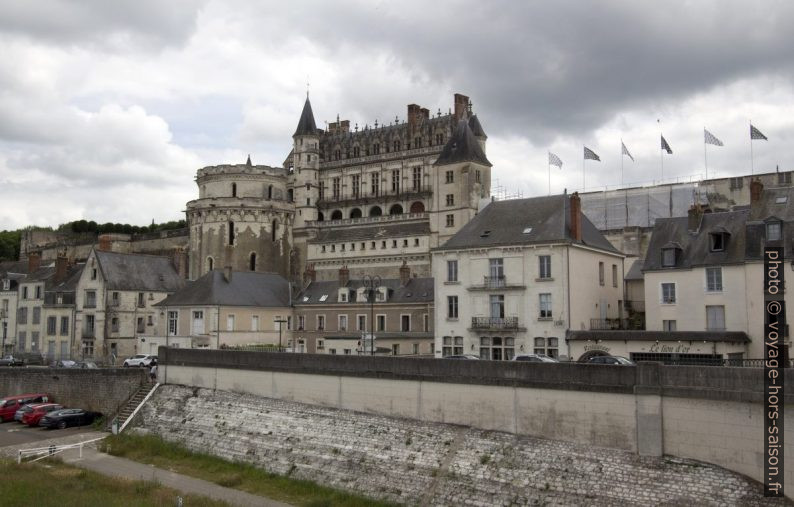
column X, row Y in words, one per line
column 135, row 402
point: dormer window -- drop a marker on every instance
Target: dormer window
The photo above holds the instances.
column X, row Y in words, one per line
column 670, row 254
column 773, row 231
column 344, row 295
column 718, row 239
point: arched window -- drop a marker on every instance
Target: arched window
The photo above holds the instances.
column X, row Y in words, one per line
column 355, row 213
column 289, row 195
column 336, row 215
column 234, row 189
column 417, row 207
column 269, row 192
column 375, row 211
column 210, row 264
column 274, row 228
column 320, row 217
column 396, row 210
column 252, row 262
column 231, row 232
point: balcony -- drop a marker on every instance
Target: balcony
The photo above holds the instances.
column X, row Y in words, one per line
column 494, row 322
column 88, row 334
column 635, row 306
column 369, row 220
column 497, row 282
column 328, row 202
column 616, row 325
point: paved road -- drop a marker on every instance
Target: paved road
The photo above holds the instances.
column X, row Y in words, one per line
column 14, row 433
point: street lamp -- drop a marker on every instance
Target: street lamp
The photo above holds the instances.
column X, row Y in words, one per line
column 280, row 321
column 372, row 284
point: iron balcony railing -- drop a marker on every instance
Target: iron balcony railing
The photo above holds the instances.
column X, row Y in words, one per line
column 494, row 322
column 495, row 282
column 615, row 324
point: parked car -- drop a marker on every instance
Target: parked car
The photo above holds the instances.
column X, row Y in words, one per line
column 23, row 410
column 10, row 404
column 90, row 365
column 68, row 417
column 11, row 361
column 618, row 360
column 33, row 417
column 461, row 356
column 139, row 360
column 63, row 363
column 535, row 358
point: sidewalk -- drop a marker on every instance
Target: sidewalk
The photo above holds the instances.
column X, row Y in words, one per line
column 132, row 470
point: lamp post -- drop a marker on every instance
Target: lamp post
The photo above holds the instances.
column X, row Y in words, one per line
column 372, row 284
column 281, row 321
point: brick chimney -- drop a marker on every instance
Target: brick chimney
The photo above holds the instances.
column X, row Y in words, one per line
column 310, row 275
column 227, row 274
column 34, row 261
column 461, row 106
column 756, row 190
column 105, row 243
column 179, row 260
column 576, row 217
column 344, row 276
column 61, row 266
column 405, row 274
column 414, row 115
column 694, row 215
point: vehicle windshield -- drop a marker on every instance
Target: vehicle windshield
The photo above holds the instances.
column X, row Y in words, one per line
column 623, row 360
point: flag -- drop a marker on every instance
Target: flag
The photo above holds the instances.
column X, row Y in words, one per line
column 555, row 160
column 590, row 154
column 626, row 151
column 756, row 134
column 711, row 139
column 666, row 147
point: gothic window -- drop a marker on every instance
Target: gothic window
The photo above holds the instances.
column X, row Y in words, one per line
column 231, row 233
column 396, row 145
column 417, row 179
column 234, row 189
column 269, row 192
column 375, row 178
column 395, row 181
column 274, row 228
column 356, row 151
column 252, row 262
column 376, row 149
column 335, row 188
column 356, row 185
column 418, row 142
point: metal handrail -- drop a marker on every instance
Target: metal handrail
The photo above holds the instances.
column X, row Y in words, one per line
column 138, row 408
column 52, row 450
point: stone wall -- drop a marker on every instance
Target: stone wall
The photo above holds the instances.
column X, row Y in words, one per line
column 101, row 390
column 419, row 463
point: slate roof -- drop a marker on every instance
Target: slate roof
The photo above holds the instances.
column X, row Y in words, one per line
column 635, row 271
column 306, row 125
column 138, row 272
column 696, row 246
column 70, row 283
column 246, row 288
column 374, row 232
column 462, row 147
column 504, row 223
column 662, row 336
column 476, row 128
column 418, row 290
column 18, row 267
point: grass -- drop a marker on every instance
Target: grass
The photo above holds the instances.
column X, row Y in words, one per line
column 154, row 450
column 54, row 484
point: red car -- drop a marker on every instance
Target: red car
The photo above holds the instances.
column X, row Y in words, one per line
column 32, row 418
column 10, row 404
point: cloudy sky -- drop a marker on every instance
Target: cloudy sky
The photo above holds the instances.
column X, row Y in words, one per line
column 108, row 108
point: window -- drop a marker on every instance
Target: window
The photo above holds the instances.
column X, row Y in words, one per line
column 114, row 325
column 452, row 346
column 452, row 307
column 301, row 322
column 141, row 326
column 343, row 295
column 335, row 188
column 22, row 315
column 395, row 349
column 376, row 149
column 332, row 352
column 417, row 179
column 38, row 291
column 255, row 323
column 497, row 348
column 405, row 323
column 668, row 293
column 547, row 346
column 784, row 178
column 356, row 186
column 88, row 348
column 477, row 176
column 25, row 292
column 141, row 300
column 497, row 305
column 375, row 183
column 173, row 322
column 415, row 349
column 773, row 231
column 544, row 267
column 197, row 326
column 668, row 325
column 343, row 322
column 452, row 271
column 396, row 145
column 88, row 329
column 715, row 318
column 234, row 189
column 356, row 151
column 52, row 323
column 450, row 177
column 361, row 322
column 601, row 273
column 668, row 257
column 252, row 262
column 21, row 340
column 714, row 279
column 90, row 299
column 425, row 323
column 381, row 322
column 93, row 274
column 737, row 183
column 320, row 322
column 114, row 299
column 34, row 341
column 545, row 306
column 36, row 315
column 64, row 326
column 496, row 268
column 717, row 242
column 231, row 233
column 395, row 181
column 450, row 199
column 614, row 275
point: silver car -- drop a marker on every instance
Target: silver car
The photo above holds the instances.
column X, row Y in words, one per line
column 139, row 360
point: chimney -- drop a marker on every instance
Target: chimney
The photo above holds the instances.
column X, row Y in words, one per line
column 694, row 215
column 227, row 274
column 405, row 274
column 105, row 243
column 425, row 113
column 61, row 265
column 179, row 261
column 344, row 276
column 414, row 115
column 310, row 275
column 576, row 217
column 756, row 190
column 34, row 261
column 461, row 106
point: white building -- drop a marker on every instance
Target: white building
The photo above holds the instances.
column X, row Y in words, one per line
column 519, row 275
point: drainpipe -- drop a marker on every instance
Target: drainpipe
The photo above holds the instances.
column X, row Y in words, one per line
column 218, row 328
column 567, row 288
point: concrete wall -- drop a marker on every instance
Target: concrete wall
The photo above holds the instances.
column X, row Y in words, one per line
column 648, row 408
column 102, row 390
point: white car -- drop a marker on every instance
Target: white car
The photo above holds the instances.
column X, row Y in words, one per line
column 140, row 360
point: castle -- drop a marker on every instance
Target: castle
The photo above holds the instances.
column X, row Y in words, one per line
column 367, row 199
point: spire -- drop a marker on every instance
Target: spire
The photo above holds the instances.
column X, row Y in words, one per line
column 248, row 162
column 462, row 147
column 476, row 128
column 306, row 125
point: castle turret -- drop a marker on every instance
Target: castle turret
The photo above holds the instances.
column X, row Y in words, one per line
column 306, row 161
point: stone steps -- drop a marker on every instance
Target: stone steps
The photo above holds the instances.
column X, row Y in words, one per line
column 127, row 410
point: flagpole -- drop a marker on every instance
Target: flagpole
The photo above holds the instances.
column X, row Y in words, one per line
column 549, row 177
column 621, row 161
column 661, row 154
column 583, row 161
column 751, row 147
column 705, row 154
